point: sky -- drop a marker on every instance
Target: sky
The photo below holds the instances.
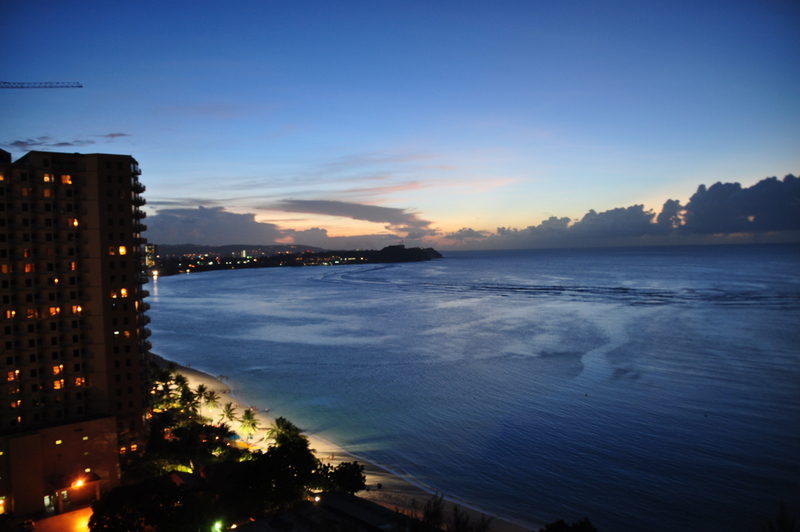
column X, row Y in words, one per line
column 447, row 124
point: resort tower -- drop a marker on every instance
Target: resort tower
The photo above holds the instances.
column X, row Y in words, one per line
column 74, row 355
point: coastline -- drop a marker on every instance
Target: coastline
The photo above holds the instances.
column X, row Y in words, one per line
column 395, row 491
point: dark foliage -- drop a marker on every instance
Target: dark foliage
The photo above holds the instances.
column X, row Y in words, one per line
column 782, row 523
column 158, row 503
column 347, row 477
column 435, row 518
column 584, row 525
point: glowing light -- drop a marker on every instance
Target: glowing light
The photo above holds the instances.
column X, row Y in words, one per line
column 78, row 483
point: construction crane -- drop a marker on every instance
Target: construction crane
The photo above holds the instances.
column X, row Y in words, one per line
column 40, row 85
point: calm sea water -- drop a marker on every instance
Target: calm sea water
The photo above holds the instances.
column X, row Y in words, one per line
column 648, row 389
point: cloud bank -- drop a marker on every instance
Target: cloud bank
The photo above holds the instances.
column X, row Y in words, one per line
column 721, row 211
column 209, row 226
column 724, row 212
column 214, row 226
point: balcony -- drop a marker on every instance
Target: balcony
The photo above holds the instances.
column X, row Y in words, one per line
column 144, row 293
column 139, row 227
column 139, row 201
column 139, row 214
column 138, row 187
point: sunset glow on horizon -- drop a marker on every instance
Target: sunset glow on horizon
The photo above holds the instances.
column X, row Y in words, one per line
column 364, row 124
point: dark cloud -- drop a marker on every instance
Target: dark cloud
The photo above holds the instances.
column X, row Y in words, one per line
column 112, row 135
column 769, row 205
column 397, row 220
column 209, row 226
column 619, row 222
column 465, row 234
column 47, row 141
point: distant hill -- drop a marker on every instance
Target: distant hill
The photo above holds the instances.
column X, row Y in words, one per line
column 178, row 250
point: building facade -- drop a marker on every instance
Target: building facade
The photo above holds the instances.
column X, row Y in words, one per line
column 74, row 355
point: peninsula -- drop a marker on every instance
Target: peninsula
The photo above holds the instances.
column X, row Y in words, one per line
column 188, row 262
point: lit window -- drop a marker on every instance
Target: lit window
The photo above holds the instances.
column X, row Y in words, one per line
column 16, row 404
column 77, row 309
column 113, row 294
column 123, row 292
column 88, row 469
column 73, row 266
column 112, row 250
column 66, row 179
column 127, row 334
column 13, row 375
column 48, row 178
column 55, row 311
column 10, row 314
column 58, row 369
column 48, row 193
column 58, row 384
column 26, row 192
column 84, row 439
column 58, row 442
column 80, row 381
column 73, row 222
column 30, row 268
column 134, row 447
column 26, row 253
column 5, row 268
column 123, row 450
column 33, row 313
column 123, row 250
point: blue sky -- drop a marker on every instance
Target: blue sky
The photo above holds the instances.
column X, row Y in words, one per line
column 363, row 123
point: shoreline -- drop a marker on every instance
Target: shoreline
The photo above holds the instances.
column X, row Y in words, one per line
column 395, row 492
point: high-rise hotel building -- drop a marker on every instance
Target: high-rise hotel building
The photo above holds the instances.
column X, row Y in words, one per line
column 74, row 355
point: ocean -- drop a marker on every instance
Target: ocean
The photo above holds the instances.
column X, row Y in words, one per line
column 645, row 388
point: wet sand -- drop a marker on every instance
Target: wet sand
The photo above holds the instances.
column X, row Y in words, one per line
column 395, row 491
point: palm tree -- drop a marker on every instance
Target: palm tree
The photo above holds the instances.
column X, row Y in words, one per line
column 249, row 423
column 211, row 399
column 228, row 413
column 190, row 400
column 282, row 430
column 201, row 389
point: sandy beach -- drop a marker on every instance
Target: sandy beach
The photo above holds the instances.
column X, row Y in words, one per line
column 395, row 492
